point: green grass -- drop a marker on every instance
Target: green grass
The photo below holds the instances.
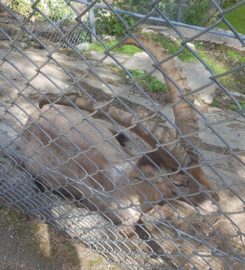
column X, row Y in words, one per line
column 214, row 58
column 216, row 103
column 233, row 106
column 236, row 18
column 196, row 13
column 126, row 49
column 224, row 104
column 219, row 64
column 216, row 65
column 172, row 47
column 235, row 55
column 148, row 82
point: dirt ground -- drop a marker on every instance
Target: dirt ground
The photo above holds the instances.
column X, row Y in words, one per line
column 28, row 244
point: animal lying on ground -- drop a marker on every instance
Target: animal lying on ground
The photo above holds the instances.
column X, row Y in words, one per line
column 71, row 150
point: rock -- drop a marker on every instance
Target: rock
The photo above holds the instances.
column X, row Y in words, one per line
column 83, row 46
column 23, row 45
column 191, row 46
column 197, row 77
column 109, row 38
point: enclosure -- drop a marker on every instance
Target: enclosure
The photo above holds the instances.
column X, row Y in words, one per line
column 122, row 128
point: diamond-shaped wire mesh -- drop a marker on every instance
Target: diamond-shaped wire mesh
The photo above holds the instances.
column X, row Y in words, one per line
column 124, row 134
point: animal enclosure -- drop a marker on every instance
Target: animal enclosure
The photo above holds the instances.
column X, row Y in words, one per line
column 125, row 128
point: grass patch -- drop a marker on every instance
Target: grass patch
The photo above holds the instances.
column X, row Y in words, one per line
column 210, row 59
column 218, row 102
column 148, row 82
column 235, row 55
column 219, row 58
column 233, row 106
column 222, row 59
column 125, row 49
column 213, row 62
column 217, row 66
column 172, row 47
column 236, row 18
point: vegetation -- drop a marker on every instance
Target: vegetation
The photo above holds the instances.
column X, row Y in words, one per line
column 219, row 58
column 197, row 13
column 172, row 47
column 222, row 59
column 21, row 6
column 229, row 3
column 234, row 107
column 236, row 18
column 228, row 104
column 55, row 9
column 126, row 49
column 216, row 66
column 108, row 23
column 111, row 24
column 216, row 103
column 148, row 82
column 58, row 9
column 235, row 55
column 215, row 62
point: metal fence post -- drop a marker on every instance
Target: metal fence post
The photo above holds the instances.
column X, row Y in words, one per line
column 179, row 13
column 92, row 22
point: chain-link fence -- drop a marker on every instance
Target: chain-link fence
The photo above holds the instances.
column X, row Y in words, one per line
column 132, row 144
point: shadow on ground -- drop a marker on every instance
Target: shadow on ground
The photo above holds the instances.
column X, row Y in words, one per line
column 26, row 243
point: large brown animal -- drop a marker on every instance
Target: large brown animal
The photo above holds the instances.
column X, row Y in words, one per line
column 68, row 150
column 71, row 150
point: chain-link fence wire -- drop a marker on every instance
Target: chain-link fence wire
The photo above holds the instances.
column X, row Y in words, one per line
column 134, row 175
column 176, row 10
column 187, row 14
column 59, row 14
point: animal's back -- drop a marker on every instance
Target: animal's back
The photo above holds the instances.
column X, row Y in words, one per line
column 65, row 147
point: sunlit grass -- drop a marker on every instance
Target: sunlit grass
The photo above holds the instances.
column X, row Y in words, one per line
column 236, row 18
column 218, row 59
column 125, row 49
column 148, row 82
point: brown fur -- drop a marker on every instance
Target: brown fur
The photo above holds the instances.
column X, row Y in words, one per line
column 185, row 116
column 63, row 149
column 67, row 148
